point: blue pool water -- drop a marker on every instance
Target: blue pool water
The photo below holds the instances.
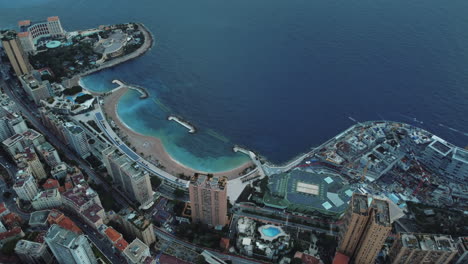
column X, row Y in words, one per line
column 279, row 76
column 270, row 231
column 72, row 97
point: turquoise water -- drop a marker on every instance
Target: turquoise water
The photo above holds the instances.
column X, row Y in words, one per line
column 175, row 138
column 271, row 231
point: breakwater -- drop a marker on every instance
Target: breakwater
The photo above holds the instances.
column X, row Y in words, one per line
column 182, row 122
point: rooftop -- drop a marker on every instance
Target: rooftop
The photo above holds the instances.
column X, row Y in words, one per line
column 39, row 217
column 440, row 146
column 136, row 251
column 209, row 181
column 112, row 234
column 433, row 242
column 461, row 155
column 360, row 205
column 382, row 215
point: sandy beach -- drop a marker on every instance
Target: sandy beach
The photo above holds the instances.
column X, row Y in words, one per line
column 151, row 146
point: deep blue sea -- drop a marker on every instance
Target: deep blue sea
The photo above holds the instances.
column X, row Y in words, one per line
column 279, row 76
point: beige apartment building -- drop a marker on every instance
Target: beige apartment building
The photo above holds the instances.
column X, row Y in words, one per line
column 15, row 53
column 208, row 199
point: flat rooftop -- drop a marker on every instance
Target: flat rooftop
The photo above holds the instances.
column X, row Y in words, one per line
column 433, row 242
column 360, row 205
column 301, row 190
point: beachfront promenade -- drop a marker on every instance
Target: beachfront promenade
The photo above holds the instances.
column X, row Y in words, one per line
column 111, row 135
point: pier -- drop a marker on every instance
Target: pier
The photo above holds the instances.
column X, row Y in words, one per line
column 141, row 90
column 183, row 123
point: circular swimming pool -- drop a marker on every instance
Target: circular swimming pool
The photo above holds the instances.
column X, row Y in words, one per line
column 53, row 44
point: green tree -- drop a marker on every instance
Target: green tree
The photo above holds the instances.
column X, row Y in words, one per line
column 155, row 181
column 7, row 195
column 296, row 261
column 200, row 260
column 179, row 193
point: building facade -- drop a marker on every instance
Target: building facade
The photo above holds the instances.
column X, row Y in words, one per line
column 365, row 229
column 35, row 87
column 32, row 32
column 76, row 138
column 422, row 248
column 128, row 175
column 47, row 199
column 15, row 53
column 69, row 247
column 33, row 252
column 377, row 230
column 137, row 225
column 25, row 186
column 208, row 198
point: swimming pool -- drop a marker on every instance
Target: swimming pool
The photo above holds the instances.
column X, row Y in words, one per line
column 270, row 231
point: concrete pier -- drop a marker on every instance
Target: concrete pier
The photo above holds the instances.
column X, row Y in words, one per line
column 183, row 123
column 141, row 90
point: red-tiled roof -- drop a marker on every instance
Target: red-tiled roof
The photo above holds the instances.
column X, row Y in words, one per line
column 61, row 189
column 68, row 185
column 121, row 244
column 51, row 184
column 24, row 23
column 340, row 258
column 12, row 220
column 224, row 243
column 112, row 234
column 13, row 232
column 54, row 18
column 67, row 223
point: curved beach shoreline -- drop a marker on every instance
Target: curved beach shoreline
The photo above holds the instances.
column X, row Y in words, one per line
column 152, row 146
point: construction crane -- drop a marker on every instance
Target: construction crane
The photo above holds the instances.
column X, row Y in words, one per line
column 364, row 172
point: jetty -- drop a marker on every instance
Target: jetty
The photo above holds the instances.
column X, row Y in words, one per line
column 141, row 90
column 183, row 123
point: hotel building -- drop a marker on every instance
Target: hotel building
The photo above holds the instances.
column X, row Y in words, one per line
column 31, row 32
column 76, row 138
column 208, row 199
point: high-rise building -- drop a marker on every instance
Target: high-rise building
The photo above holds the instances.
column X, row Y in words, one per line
column 354, row 224
column 15, row 53
column 208, row 199
column 35, row 87
column 377, row 230
column 76, row 138
column 25, row 186
column 31, row 160
column 411, row 248
column 127, row 174
column 49, row 154
column 33, row 252
column 31, row 32
column 11, row 124
column 137, row 225
column 365, row 229
column 69, row 247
